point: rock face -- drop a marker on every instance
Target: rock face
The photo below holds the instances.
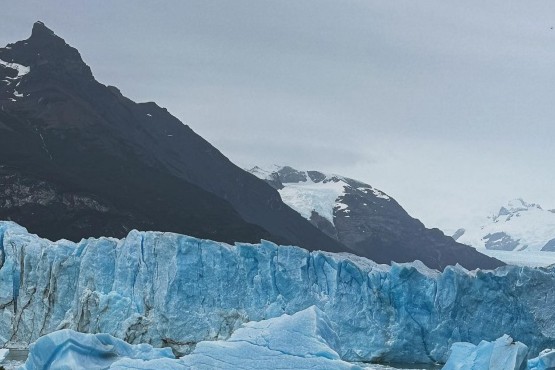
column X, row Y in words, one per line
column 78, row 159
column 518, row 226
column 172, row 290
column 367, row 220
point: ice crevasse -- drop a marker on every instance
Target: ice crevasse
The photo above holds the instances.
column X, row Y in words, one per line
column 167, row 289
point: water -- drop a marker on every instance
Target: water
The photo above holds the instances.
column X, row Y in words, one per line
column 17, row 355
column 15, row 359
column 402, row 366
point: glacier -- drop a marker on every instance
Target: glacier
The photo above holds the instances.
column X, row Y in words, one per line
column 304, row 340
column 172, row 290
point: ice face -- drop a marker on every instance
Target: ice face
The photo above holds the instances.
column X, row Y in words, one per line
column 172, row 290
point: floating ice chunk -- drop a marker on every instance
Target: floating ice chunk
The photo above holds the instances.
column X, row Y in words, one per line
column 545, row 361
column 3, row 353
column 304, row 340
column 68, row 349
column 502, row 354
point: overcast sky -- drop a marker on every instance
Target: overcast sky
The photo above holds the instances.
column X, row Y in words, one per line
column 448, row 106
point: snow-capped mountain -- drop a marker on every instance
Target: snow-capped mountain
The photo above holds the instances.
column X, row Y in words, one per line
column 517, row 226
column 366, row 219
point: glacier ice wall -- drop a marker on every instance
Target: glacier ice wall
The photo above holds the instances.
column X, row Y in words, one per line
column 172, row 290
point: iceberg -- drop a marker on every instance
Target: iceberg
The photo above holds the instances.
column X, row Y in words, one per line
column 3, row 353
column 545, row 361
column 502, row 354
column 171, row 290
column 67, row 349
column 304, row 340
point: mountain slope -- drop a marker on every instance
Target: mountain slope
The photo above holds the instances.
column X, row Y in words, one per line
column 79, row 159
column 517, row 226
column 367, row 220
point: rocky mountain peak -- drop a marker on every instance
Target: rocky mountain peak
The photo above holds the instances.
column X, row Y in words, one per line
column 513, row 207
column 48, row 54
column 41, row 31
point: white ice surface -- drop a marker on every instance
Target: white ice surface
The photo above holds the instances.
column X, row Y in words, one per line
column 527, row 223
column 308, row 196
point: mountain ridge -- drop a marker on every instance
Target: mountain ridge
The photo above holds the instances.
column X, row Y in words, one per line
column 517, row 226
column 367, row 220
column 69, row 135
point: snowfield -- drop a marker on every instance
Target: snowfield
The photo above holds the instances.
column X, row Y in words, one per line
column 323, row 195
column 308, row 196
column 520, row 233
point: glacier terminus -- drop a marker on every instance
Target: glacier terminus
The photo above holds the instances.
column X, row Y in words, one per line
column 171, row 290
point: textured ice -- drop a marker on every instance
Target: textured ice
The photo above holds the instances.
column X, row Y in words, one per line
column 502, row 354
column 545, row 361
column 3, row 354
column 67, row 349
column 304, row 340
column 172, row 290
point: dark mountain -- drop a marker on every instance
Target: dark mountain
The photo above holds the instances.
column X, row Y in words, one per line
column 79, row 159
column 367, row 220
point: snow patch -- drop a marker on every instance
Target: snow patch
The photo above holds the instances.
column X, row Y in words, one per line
column 308, row 196
column 21, row 69
column 526, row 223
column 376, row 192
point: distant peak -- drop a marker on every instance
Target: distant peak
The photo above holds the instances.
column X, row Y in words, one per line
column 519, row 204
column 47, row 53
column 514, row 206
column 40, row 30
